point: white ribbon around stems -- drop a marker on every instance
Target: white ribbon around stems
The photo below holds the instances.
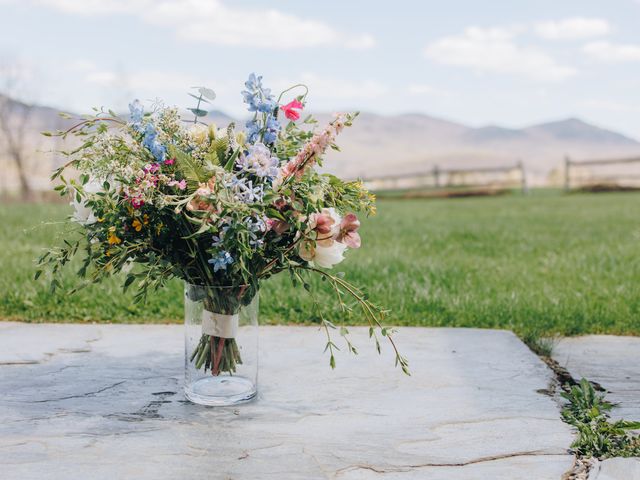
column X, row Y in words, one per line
column 219, row 325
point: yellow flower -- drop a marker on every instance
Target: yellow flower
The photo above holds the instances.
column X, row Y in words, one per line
column 137, row 224
column 113, row 238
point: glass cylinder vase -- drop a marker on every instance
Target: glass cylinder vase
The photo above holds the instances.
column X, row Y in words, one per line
column 221, row 344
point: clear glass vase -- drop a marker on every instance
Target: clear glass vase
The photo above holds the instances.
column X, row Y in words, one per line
column 221, row 344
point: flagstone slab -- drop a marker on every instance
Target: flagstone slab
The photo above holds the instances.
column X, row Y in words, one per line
column 106, row 401
column 616, row 469
column 611, row 361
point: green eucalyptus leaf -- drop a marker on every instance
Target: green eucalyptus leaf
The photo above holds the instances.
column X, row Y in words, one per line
column 200, row 98
column 198, row 112
column 207, row 92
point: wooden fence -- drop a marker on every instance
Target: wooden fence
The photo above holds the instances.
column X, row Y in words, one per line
column 570, row 163
column 447, row 178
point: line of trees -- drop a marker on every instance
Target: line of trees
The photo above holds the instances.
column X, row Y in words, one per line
column 14, row 126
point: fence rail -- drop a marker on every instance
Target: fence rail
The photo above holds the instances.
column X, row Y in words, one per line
column 569, row 162
column 439, row 178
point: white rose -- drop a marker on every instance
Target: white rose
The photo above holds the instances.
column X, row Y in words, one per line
column 83, row 214
column 325, row 251
column 327, row 257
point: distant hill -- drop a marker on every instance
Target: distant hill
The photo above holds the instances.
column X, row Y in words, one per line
column 574, row 129
column 379, row 145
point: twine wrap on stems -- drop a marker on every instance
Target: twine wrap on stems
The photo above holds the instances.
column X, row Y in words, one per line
column 219, row 324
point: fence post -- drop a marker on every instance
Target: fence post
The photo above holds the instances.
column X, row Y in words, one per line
column 567, row 175
column 523, row 177
column 436, row 176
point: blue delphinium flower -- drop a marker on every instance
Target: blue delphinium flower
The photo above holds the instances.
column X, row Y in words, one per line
column 217, row 240
column 253, row 131
column 221, row 261
column 257, row 97
column 271, row 130
column 244, row 190
column 137, row 113
column 257, row 227
column 260, row 100
column 150, row 141
column 148, row 131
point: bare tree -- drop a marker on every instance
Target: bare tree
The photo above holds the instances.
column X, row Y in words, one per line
column 14, row 119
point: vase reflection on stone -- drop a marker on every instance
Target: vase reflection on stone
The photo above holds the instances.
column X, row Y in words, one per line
column 221, row 344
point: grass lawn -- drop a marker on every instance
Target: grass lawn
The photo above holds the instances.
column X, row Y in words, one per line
column 539, row 265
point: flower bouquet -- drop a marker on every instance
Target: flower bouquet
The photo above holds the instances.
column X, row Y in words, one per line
column 158, row 197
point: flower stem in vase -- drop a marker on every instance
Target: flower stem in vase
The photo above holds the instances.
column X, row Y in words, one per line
column 218, row 349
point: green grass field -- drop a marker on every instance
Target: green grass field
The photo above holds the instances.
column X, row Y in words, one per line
column 540, row 265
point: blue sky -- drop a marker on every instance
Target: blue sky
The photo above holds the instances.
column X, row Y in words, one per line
column 512, row 63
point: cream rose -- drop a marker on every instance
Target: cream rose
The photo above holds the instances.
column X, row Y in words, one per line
column 199, row 133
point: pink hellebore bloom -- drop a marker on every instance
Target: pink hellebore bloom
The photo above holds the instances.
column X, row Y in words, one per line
column 277, row 226
column 349, row 231
column 323, row 224
column 292, row 109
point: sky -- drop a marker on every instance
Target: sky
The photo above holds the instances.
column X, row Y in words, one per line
column 512, row 63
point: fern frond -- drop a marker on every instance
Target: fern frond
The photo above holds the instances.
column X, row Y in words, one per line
column 192, row 172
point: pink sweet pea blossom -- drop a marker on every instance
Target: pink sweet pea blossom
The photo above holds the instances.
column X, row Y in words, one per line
column 349, row 231
column 292, row 109
column 170, row 161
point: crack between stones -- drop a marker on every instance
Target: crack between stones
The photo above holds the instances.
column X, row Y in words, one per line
column 561, row 376
column 407, row 468
column 82, row 395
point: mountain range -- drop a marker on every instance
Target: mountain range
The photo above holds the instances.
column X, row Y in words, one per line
column 380, row 145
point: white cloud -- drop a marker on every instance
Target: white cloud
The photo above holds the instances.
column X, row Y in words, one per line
column 572, row 28
column 609, row 106
column 494, row 50
column 613, row 52
column 212, row 21
column 332, row 88
column 424, row 89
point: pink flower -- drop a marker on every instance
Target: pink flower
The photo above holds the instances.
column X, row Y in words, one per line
column 349, row 231
column 182, row 184
column 170, row 161
column 151, row 168
column 292, row 109
column 277, row 226
column 323, row 224
column 137, row 202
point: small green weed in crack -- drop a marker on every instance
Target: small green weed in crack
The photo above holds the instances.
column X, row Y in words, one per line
column 587, row 410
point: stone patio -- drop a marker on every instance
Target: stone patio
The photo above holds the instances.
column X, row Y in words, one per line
column 105, row 402
column 613, row 362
